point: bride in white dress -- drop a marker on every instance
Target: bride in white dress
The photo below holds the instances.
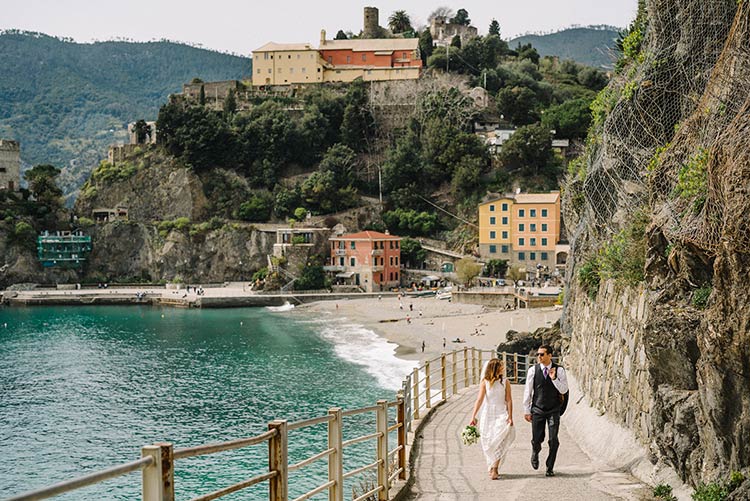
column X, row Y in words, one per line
column 496, row 431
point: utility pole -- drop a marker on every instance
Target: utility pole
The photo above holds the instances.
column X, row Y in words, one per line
column 447, row 57
column 380, row 187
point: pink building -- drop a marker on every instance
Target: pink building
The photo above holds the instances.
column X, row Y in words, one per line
column 368, row 259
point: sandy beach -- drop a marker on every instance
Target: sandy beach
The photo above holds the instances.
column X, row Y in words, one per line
column 410, row 321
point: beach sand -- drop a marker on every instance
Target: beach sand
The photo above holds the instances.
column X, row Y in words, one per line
column 433, row 320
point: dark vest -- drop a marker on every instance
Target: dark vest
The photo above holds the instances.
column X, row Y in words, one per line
column 546, row 397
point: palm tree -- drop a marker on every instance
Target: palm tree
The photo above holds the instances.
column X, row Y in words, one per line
column 399, row 22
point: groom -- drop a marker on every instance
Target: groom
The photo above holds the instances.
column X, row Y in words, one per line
column 545, row 383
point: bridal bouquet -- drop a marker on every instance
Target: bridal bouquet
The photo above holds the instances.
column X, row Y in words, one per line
column 470, row 435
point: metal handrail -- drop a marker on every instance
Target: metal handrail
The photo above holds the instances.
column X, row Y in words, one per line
column 77, row 483
column 361, row 469
column 318, row 489
column 363, row 438
column 202, row 450
column 237, row 487
column 309, row 422
column 311, row 459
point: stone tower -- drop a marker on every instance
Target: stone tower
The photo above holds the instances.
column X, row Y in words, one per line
column 10, row 165
column 371, row 26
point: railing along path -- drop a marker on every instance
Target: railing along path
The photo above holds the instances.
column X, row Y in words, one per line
column 434, row 381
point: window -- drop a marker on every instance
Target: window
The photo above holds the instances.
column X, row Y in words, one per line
column 532, row 256
column 492, row 220
column 505, row 220
column 505, row 235
column 532, row 212
column 492, row 208
column 544, row 226
column 521, row 227
column 304, row 70
column 520, row 242
column 532, row 242
column 493, row 235
column 521, row 213
column 397, row 244
column 532, row 227
column 341, row 260
column 395, row 276
column 270, row 70
column 493, row 249
column 390, row 260
column 291, row 70
column 298, row 56
column 544, row 212
column 544, row 241
column 289, row 56
column 364, row 57
column 352, row 261
column 505, row 207
column 353, row 245
column 330, row 59
column 504, row 249
column 348, row 59
column 396, row 260
column 258, row 71
column 522, row 256
column 265, row 56
column 544, row 256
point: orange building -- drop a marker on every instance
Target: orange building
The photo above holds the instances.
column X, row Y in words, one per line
column 368, row 259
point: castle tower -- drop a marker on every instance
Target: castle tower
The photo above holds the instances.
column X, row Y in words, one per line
column 372, row 23
column 10, row 165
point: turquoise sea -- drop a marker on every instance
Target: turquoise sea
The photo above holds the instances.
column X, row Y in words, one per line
column 83, row 388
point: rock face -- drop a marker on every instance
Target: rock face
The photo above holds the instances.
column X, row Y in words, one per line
column 675, row 144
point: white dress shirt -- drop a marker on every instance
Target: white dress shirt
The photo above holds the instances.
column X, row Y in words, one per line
column 560, row 382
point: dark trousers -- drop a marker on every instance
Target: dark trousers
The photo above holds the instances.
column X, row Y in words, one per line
column 538, row 423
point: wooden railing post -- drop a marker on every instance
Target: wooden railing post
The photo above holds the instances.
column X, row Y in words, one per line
column 158, row 477
column 455, row 370
column 401, row 434
column 515, row 367
column 336, row 460
column 466, row 367
column 473, row 365
column 415, row 393
column 427, row 399
column 505, row 364
column 480, row 366
column 277, row 461
column 443, row 383
column 382, row 429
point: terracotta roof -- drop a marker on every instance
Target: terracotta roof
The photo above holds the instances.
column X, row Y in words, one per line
column 528, row 198
column 273, row 46
column 366, row 235
column 372, row 44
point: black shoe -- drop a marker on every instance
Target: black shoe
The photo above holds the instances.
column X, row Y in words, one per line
column 535, row 460
column 549, row 473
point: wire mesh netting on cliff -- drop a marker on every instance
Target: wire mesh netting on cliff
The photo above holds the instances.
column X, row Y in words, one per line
column 672, row 127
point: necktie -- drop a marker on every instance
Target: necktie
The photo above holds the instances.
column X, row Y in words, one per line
column 545, row 373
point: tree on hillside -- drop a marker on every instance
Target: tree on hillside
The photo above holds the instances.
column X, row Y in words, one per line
column 341, row 35
column 592, row 78
column 443, row 11
column 494, row 28
column 529, row 152
column 230, row 104
column 42, row 181
column 425, row 45
column 142, row 131
column 527, row 51
column 357, row 123
column 518, row 104
column 569, row 120
column 399, row 22
column 412, row 253
column 496, row 268
column 462, row 17
column 456, row 41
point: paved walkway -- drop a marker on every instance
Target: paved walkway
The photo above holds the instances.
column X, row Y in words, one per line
column 446, row 470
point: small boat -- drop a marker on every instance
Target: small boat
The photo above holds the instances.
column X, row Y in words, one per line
column 284, row 307
column 444, row 293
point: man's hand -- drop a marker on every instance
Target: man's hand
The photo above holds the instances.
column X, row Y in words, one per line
column 553, row 373
column 527, row 417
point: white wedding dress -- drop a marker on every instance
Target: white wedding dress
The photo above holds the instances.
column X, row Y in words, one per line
column 495, row 434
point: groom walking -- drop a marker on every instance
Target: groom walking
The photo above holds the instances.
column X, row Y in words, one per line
column 545, row 384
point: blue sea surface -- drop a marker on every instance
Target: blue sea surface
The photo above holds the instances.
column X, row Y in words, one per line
column 84, row 388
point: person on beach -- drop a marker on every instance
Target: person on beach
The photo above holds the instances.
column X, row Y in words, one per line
column 423, row 346
column 495, row 408
column 546, row 382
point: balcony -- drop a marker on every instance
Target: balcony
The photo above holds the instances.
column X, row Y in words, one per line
column 340, row 252
column 377, row 252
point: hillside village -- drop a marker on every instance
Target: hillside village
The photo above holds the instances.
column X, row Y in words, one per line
column 394, row 93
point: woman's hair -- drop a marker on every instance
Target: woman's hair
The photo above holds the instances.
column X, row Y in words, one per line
column 495, row 370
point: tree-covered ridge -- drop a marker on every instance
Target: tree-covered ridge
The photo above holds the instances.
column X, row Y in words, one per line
column 66, row 102
column 592, row 46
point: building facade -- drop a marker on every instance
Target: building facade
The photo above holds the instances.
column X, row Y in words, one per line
column 286, row 64
column 368, row 259
column 443, row 31
column 10, row 165
column 523, row 229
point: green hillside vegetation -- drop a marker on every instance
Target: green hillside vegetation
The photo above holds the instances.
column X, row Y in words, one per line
column 592, row 45
column 66, row 102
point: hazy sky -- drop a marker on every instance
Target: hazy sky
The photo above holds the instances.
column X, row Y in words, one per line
column 240, row 27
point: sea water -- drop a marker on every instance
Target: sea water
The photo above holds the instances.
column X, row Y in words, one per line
column 84, row 388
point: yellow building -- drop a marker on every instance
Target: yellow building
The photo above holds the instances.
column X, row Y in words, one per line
column 523, row 229
column 286, row 64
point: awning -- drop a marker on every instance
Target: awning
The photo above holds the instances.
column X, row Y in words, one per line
column 430, row 278
column 346, row 274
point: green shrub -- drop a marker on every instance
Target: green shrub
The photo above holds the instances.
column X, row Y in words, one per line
column 624, row 257
column 85, row 222
column 714, row 491
column 298, row 239
column 700, row 296
column 23, row 230
column 300, row 213
column 664, row 491
column 589, row 277
column 692, row 180
column 261, row 274
column 257, row 208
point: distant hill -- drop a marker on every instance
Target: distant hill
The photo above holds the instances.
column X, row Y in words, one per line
column 590, row 45
column 66, row 102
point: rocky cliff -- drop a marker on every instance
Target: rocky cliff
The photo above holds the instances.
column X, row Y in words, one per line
column 657, row 308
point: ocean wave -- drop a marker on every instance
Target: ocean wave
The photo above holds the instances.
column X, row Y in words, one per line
column 361, row 346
